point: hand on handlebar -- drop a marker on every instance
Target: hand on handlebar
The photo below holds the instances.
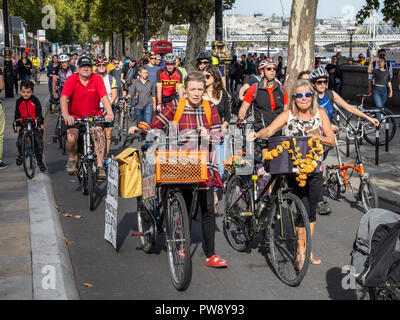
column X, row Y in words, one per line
column 69, row 120
column 133, row 130
column 374, row 121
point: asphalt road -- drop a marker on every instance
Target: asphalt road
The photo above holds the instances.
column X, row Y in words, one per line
column 132, row 274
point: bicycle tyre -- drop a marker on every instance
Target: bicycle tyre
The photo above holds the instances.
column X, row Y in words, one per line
column 233, row 224
column 146, row 225
column 368, row 195
column 179, row 259
column 28, row 154
column 332, row 184
column 117, row 125
column 370, row 132
column 278, row 226
column 91, row 186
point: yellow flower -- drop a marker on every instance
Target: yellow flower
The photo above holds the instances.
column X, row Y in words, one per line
column 286, row 144
column 302, row 183
column 297, row 149
column 279, row 148
column 274, row 153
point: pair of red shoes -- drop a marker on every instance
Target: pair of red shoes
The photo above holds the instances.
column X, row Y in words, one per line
column 216, row 262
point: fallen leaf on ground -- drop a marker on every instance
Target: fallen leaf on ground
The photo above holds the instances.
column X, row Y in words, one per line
column 89, row 285
column 66, row 240
column 77, row 217
column 67, row 215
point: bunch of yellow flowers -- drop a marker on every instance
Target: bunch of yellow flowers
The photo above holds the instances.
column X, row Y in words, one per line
column 305, row 165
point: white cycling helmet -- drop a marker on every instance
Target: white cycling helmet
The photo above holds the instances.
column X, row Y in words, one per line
column 170, row 58
column 319, row 73
column 63, row 58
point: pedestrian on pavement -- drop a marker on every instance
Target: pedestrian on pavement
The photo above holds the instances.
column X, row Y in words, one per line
column 145, row 89
column 250, row 67
column 25, row 67
column 304, row 112
column 381, row 82
column 334, row 76
column 28, row 106
column 279, row 69
column 216, row 93
column 2, row 124
column 234, row 73
column 15, row 74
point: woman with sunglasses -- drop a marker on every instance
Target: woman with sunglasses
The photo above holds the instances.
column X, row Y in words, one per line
column 304, row 118
column 216, row 93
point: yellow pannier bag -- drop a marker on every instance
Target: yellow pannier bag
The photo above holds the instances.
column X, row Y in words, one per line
column 130, row 175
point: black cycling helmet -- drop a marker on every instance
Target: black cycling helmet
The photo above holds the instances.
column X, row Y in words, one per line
column 205, row 55
column 319, row 73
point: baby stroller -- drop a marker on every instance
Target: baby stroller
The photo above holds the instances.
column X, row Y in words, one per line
column 376, row 254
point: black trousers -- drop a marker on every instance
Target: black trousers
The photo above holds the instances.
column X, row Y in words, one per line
column 206, row 201
column 234, row 79
column 310, row 194
column 38, row 137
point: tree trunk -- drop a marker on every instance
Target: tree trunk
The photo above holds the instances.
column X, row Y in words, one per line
column 197, row 36
column 164, row 30
column 301, row 39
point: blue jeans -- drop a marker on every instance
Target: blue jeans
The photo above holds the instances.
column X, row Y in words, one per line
column 380, row 97
column 144, row 114
column 25, row 77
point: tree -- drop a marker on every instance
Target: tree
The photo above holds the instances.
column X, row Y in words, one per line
column 301, row 39
column 390, row 11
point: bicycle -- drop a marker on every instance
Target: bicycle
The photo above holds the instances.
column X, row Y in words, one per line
column 336, row 177
column 369, row 131
column 164, row 210
column 87, row 157
column 250, row 212
column 28, row 145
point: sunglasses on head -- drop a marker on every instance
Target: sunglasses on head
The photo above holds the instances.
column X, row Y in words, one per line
column 300, row 95
column 321, row 82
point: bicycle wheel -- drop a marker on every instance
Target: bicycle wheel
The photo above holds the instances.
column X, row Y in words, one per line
column 332, row 185
column 178, row 240
column 285, row 238
column 238, row 198
column 90, row 186
column 368, row 195
column 146, row 225
column 28, row 154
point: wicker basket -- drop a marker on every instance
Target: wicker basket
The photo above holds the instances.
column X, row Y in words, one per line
column 181, row 166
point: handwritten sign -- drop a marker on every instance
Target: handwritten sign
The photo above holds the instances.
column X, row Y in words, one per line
column 111, row 216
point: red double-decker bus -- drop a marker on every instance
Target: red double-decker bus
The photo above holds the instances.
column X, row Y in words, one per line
column 161, row 47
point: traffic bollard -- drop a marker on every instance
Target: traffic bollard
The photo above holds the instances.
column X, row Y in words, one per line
column 387, row 136
column 377, row 146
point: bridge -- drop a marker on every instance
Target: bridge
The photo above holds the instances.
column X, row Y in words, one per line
column 321, row 39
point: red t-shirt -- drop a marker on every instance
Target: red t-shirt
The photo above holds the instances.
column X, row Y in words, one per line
column 84, row 100
column 249, row 97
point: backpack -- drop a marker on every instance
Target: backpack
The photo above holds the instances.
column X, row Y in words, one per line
column 374, row 247
column 255, row 88
column 181, row 107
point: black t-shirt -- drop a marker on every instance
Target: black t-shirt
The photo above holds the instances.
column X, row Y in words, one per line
column 224, row 108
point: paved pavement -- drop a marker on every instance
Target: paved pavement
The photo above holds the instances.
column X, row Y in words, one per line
column 34, row 260
column 33, row 241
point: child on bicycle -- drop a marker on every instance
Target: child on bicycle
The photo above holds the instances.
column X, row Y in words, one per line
column 28, row 106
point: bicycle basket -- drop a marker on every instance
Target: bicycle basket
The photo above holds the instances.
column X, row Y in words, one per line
column 181, row 166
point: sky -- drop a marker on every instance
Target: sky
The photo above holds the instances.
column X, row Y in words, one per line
column 326, row 8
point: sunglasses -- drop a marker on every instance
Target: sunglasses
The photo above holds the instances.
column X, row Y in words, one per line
column 321, row 82
column 270, row 69
column 170, row 64
column 208, row 76
column 204, row 62
column 152, row 58
column 300, row 95
column 101, row 66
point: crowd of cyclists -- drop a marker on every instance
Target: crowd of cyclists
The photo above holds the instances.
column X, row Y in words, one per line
column 91, row 85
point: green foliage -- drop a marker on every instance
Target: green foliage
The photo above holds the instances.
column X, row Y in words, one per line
column 390, row 11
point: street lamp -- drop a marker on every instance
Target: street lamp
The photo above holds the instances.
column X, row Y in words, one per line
column 351, row 32
column 268, row 34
